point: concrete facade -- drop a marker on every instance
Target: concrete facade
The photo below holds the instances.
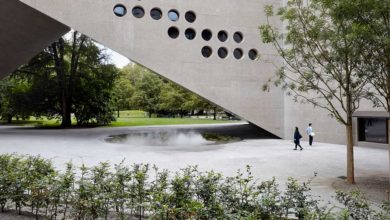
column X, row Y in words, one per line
column 234, row 84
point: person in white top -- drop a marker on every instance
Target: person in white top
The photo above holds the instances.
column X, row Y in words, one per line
column 310, row 132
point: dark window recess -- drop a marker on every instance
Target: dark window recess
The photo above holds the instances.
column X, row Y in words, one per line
column 373, row 130
column 156, row 13
column 237, row 53
column 222, row 52
column 222, row 36
column 173, row 15
column 138, row 12
column 253, row 54
column 207, row 35
column 238, row 37
column 207, row 51
column 173, row 32
column 120, row 10
column 190, row 16
column 190, row 34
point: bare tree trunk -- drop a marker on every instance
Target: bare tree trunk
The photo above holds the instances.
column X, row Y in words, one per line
column 350, row 157
column 66, row 113
column 9, row 119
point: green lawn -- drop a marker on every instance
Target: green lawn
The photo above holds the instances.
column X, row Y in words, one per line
column 162, row 121
column 127, row 118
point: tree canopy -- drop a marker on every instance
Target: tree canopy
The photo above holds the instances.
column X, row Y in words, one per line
column 71, row 76
column 139, row 88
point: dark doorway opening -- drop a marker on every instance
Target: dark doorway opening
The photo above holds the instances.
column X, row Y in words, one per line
column 373, row 130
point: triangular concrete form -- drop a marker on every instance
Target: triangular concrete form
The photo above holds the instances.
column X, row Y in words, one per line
column 234, row 84
column 24, row 32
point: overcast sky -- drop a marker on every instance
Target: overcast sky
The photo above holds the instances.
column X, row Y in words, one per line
column 119, row 60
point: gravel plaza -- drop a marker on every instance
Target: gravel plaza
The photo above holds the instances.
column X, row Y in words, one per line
column 268, row 157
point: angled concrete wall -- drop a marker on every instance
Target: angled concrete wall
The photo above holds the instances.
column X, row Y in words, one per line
column 231, row 83
column 24, row 32
column 234, row 84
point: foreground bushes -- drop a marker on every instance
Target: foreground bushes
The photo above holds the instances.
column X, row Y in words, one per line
column 29, row 183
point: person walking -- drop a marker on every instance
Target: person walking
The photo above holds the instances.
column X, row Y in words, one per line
column 297, row 137
column 310, row 132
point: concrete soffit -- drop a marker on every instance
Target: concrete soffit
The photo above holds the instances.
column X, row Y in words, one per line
column 24, row 32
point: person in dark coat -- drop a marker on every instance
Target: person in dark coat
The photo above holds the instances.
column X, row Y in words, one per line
column 297, row 138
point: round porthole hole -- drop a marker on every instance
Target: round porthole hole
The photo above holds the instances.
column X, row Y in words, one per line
column 222, row 36
column 222, row 52
column 207, row 51
column 173, row 15
column 190, row 16
column 238, row 53
column 138, row 12
column 156, row 13
column 253, row 54
column 120, row 10
column 173, row 32
column 207, row 35
column 238, row 37
column 190, row 34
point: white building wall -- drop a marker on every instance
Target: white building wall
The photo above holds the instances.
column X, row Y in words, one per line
column 235, row 85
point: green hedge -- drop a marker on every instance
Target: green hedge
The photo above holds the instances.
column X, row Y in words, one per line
column 30, row 183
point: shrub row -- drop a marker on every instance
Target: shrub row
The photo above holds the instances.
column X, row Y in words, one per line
column 143, row 191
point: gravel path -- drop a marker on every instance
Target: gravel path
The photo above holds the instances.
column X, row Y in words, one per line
column 268, row 156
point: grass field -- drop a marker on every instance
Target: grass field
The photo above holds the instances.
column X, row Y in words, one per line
column 127, row 118
column 121, row 122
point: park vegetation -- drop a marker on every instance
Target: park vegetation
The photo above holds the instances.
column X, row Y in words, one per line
column 140, row 88
column 72, row 79
column 31, row 185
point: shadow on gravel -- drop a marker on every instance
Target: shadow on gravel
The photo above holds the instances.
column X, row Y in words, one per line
column 375, row 188
column 243, row 131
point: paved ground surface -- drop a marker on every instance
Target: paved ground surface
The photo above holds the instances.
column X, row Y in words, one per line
column 268, row 157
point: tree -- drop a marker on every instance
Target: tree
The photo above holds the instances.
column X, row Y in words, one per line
column 93, row 94
column 138, row 87
column 173, row 98
column 14, row 99
column 71, row 76
column 148, row 88
column 371, row 19
column 123, row 92
column 322, row 65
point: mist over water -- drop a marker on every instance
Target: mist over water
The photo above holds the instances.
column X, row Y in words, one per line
column 161, row 138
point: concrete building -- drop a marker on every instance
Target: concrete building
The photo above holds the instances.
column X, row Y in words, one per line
column 210, row 47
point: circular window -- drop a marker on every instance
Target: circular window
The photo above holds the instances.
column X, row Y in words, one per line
column 173, row 32
column 190, row 34
column 237, row 53
column 207, row 51
column 207, row 35
column 156, row 13
column 238, row 37
column 222, row 36
column 253, row 54
column 120, row 10
column 138, row 12
column 222, row 52
column 190, row 16
column 173, row 15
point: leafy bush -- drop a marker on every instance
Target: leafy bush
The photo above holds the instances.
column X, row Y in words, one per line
column 30, row 183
